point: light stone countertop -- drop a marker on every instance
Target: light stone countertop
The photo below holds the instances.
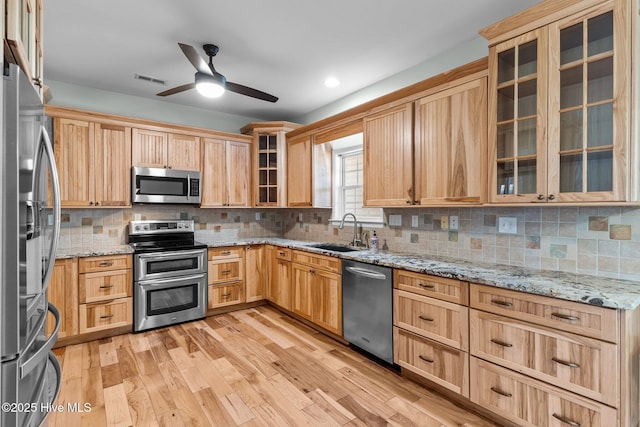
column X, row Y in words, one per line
column 594, row 290
column 97, row 251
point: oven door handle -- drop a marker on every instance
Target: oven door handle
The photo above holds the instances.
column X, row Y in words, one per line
column 168, row 281
column 172, row 254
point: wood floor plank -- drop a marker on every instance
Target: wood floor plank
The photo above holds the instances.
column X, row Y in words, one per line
column 213, row 409
column 118, row 413
column 190, row 409
column 127, row 362
column 412, row 413
column 336, row 411
column 213, row 378
column 319, row 417
column 108, row 354
column 111, row 375
column 361, row 413
column 140, row 407
column 247, row 393
column 237, row 409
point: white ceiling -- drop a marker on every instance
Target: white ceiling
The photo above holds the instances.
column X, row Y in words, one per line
column 283, row 47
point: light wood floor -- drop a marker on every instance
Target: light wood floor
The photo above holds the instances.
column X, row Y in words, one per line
column 255, row 367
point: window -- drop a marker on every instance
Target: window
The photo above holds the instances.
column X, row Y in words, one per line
column 348, row 181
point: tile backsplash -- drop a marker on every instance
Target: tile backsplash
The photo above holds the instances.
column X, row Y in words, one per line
column 603, row 241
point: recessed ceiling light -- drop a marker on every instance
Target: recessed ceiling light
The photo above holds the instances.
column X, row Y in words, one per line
column 331, row 82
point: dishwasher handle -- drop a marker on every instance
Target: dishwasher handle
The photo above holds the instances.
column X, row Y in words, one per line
column 366, row 273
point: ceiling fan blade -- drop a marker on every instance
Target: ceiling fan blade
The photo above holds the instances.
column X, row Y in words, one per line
column 177, row 89
column 194, row 57
column 248, row 91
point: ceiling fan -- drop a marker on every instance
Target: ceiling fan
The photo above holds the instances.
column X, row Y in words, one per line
column 208, row 81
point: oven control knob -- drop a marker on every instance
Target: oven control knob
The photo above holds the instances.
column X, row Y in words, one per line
column 137, row 228
column 145, row 227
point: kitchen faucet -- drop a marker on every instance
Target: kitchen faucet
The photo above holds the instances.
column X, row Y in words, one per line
column 356, row 240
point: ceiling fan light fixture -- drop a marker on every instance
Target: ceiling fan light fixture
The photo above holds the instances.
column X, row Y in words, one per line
column 210, row 86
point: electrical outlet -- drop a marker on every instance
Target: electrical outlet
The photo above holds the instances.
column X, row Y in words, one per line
column 444, row 222
column 453, row 222
column 257, row 216
column 507, row 225
column 300, row 217
column 395, row 220
column 414, row 221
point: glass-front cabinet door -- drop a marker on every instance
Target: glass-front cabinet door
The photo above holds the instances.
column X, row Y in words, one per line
column 588, row 109
column 518, row 114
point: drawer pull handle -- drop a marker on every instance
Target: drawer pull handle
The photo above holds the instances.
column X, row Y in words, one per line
column 565, row 363
column 226, row 271
column 107, row 316
column 105, row 264
column 227, row 295
column 225, row 253
column 502, row 303
column 426, row 286
column 426, row 359
column 426, row 319
column 502, row 343
column 565, row 317
column 106, row 286
column 500, row 392
column 281, row 253
column 566, row 420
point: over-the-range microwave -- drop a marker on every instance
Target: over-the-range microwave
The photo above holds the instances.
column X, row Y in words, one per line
column 159, row 185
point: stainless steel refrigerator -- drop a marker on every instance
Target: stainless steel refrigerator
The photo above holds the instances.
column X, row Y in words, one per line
column 30, row 215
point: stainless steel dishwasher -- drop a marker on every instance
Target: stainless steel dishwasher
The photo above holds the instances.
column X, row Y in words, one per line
column 367, row 308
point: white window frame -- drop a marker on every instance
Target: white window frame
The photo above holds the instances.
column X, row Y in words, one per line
column 338, row 190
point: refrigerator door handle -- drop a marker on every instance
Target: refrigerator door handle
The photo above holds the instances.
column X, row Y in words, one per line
column 45, row 142
column 36, row 359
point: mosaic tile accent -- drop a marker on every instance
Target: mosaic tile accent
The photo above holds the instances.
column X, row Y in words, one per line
column 557, row 251
column 453, row 236
column 598, row 223
column 217, row 228
column 224, row 215
column 87, row 221
column 620, row 232
column 415, row 238
column 184, row 215
column 475, row 243
column 490, row 220
column 113, row 232
column 65, row 218
column 97, row 229
column 532, row 242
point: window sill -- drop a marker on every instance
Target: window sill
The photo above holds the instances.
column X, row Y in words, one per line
column 370, row 224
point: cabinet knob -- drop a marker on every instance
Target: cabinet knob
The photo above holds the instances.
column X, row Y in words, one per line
column 97, row 203
column 90, row 203
column 408, row 201
column 552, row 197
column 540, row 197
column 168, row 167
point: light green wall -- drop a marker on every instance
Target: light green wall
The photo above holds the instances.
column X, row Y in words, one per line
column 460, row 55
column 86, row 98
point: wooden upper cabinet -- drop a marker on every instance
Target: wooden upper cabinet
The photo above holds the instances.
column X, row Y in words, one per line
column 388, row 157
column 225, row 173
column 94, row 163
column 75, row 153
column 23, row 37
column 155, row 149
column 299, row 172
column 112, row 165
column 559, row 110
column 450, row 145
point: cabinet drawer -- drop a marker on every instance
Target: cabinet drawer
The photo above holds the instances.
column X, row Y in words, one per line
column 101, row 316
column 225, row 253
column 283, row 254
column 432, row 286
column 439, row 363
column 529, row 402
column 318, row 261
column 582, row 365
column 439, row 320
column 103, row 286
column 104, row 263
column 226, row 271
column 219, row 296
column 591, row 321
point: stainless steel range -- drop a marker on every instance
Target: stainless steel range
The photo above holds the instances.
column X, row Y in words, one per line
column 170, row 273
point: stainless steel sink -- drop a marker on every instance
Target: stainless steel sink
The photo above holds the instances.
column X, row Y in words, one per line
column 334, row 247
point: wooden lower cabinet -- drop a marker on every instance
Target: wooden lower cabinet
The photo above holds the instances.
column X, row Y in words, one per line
column 316, row 294
column 529, row 402
column 223, row 295
column 439, row 363
column 255, row 273
column 583, row 365
column 107, row 315
column 280, row 283
column 63, row 293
